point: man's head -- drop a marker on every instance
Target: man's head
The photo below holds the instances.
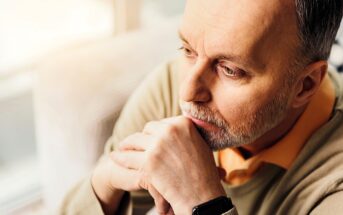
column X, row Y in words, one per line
column 250, row 67
column 318, row 22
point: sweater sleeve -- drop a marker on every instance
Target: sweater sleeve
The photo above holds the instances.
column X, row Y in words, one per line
column 156, row 98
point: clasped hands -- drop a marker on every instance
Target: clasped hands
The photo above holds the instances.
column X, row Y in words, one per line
column 170, row 160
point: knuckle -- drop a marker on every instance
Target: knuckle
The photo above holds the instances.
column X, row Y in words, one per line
column 157, row 142
column 154, row 158
column 171, row 129
column 154, row 155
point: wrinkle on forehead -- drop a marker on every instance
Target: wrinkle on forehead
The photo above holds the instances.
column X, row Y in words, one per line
column 246, row 27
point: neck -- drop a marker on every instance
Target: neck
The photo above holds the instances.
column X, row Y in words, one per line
column 275, row 134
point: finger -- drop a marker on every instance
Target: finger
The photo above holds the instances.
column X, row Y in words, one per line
column 129, row 159
column 137, row 141
column 156, row 127
column 153, row 127
column 119, row 177
column 126, row 179
column 175, row 119
column 162, row 206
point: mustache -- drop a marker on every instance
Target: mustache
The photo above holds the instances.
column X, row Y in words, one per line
column 203, row 113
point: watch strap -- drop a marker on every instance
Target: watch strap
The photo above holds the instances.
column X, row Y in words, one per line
column 217, row 206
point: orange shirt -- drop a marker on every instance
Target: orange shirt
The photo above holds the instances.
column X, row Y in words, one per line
column 285, row 151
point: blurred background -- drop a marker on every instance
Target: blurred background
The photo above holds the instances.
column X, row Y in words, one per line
column 66, row 69
column 36, row 38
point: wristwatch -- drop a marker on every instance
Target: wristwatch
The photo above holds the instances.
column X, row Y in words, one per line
column 217, row 206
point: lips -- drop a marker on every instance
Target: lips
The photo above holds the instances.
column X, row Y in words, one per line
column 202, row 124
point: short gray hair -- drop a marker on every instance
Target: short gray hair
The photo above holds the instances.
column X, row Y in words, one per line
column 318, row 23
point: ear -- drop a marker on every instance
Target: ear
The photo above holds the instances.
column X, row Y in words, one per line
column 309, row 83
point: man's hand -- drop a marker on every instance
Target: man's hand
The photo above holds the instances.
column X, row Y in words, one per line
column 171, row 158
column 109, row 180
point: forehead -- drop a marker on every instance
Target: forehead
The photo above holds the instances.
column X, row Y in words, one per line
column 244, row 27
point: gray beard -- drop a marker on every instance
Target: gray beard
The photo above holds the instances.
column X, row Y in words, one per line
column 263, row 121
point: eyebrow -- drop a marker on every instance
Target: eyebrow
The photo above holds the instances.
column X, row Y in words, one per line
column 231, row 57
column 182, row 37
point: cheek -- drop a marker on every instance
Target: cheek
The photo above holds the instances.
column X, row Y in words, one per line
column 185, row 67
column 236, row 108
column 239, row 104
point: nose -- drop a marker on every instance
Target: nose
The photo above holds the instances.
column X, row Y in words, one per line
column 195, row 86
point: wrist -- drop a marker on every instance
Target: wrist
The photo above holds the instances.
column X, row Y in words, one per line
column 109, row 198
column 198, row 199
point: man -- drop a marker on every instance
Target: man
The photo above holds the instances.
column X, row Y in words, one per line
column 253, row 86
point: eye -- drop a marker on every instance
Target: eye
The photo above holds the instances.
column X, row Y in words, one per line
column 230, row 72
column 186, row 51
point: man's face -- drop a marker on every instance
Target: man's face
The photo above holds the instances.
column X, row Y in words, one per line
column 236, row 70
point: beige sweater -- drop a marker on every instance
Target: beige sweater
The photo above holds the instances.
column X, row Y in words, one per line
column 313, row 184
